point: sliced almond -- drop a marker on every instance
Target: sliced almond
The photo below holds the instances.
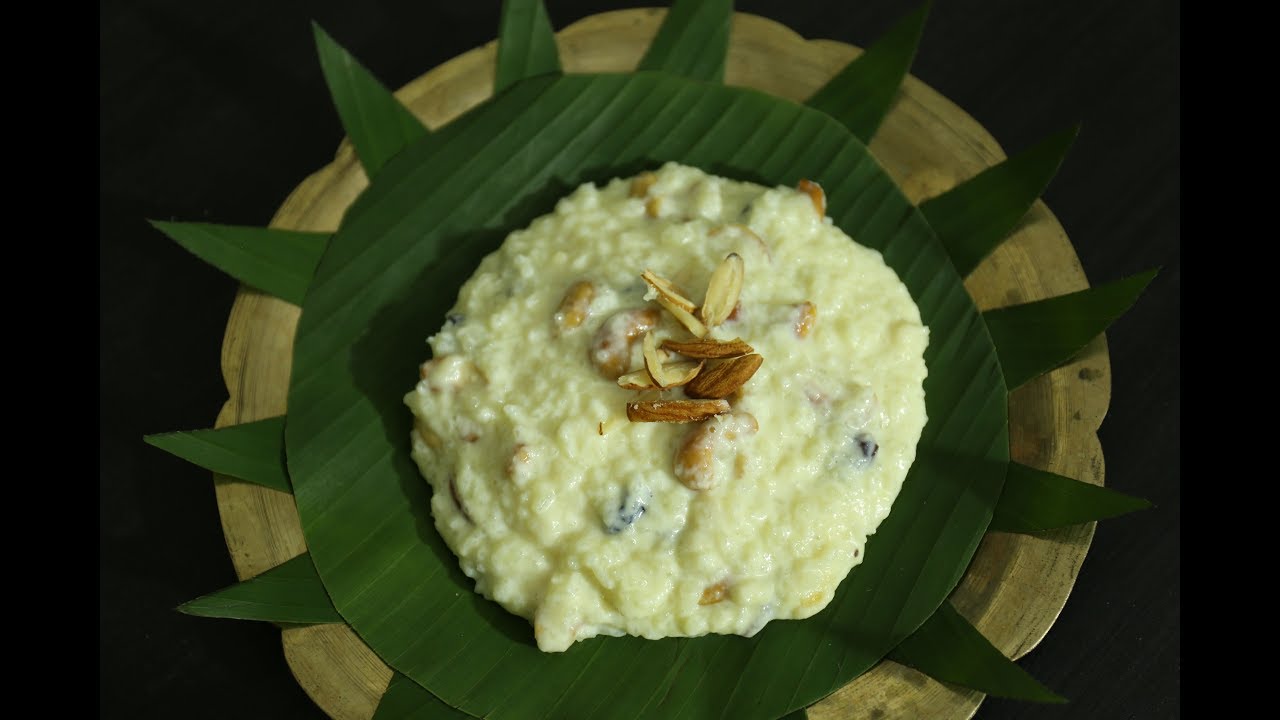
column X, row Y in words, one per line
column 686, row 318
column 665, row 288
column 678, row 411
column 708, row 348
column 665, row 374
column 815, row 193
column 652, row 362
column 806, row 318
column 722, row 380
column 723, row 290
column 670, row 298
column 575, row 305
column 638, row 380
column 671, row 375
column 641, row 183
column 681, row 372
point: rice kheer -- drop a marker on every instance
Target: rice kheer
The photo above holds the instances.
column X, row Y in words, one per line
column 677, row 405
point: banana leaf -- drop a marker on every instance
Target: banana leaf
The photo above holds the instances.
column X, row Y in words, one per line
column 693, row 41
column 405, row 699
column 287, row 593
column 1035, row 500
column 974, row 217
column 394, row 268
column 253, row 452
column 861, row 94
column 439, row 202
column 378, row 125
column 276, row 261
column 948, row 648
column 526, row 43
column 1039, row 336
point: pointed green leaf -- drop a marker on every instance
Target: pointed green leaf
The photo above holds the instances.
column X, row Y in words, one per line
column 378, row 125
column 693, row 40
column 287, row 593
column 253, row 452
column 1035, row 500
column 526, row 43
column 407, row 700
column 949, row 649
column 279, row 262
column 974, row 217
column 1039, row 336
column 797, row 715
column 861, row 94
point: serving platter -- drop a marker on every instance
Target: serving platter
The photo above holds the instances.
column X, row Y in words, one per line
column 1016, row 584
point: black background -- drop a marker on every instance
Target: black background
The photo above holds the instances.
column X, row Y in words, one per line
column 214, row 111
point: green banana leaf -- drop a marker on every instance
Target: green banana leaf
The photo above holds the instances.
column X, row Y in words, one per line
column 948, row 648
column 1035, row 500
column 253, row 452
column 378, row 125
column 438, row 203
column 287, row 593
column 394, row 268
column 693, row 41
column 407, row 700
column 861, row 94
column 974, row 217
column 1039, row 336
column 527, row 45
column 279, row 262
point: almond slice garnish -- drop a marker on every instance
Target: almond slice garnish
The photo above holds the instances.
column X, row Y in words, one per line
column 723, row 290
column 638, row 380
column 678, row 411
column 666, row 375
column 680, row 373
column 668, row 297
column 815, row 193
column 687, row 319
column 708, row 348
column 724, row 379
column 665, row 288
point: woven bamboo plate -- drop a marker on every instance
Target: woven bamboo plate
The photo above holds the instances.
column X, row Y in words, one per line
column 1016, row 584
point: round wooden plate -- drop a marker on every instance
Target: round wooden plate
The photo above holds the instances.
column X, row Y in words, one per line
column 1016, row 585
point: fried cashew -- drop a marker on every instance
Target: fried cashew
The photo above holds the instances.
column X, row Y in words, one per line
column 695, row 458
column 611, row 348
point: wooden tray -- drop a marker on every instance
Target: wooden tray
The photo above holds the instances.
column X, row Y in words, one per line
column 1016, row 585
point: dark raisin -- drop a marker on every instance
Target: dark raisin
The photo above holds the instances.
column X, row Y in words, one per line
column 867, row 445
column 629, row 511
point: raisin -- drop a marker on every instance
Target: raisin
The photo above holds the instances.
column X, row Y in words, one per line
column 629, row 511
column 867, row 445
